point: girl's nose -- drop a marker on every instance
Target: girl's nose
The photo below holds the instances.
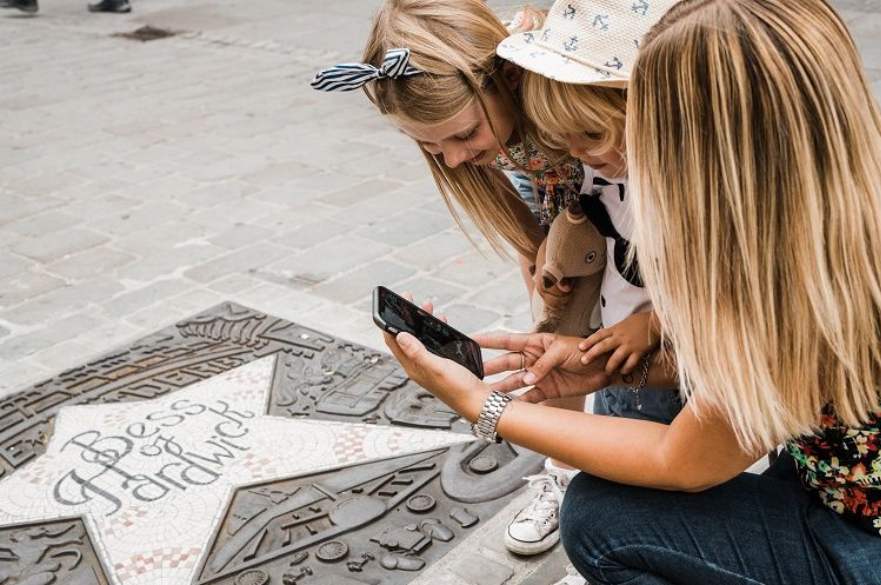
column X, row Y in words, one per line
column 455, row 155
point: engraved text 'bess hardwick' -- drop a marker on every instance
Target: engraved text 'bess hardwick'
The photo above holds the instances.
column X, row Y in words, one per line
column 113, row 465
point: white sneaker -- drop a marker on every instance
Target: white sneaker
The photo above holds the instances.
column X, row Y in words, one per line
column 535, row 528
column 572, row 578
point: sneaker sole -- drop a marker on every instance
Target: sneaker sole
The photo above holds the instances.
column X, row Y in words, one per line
column 528, row 549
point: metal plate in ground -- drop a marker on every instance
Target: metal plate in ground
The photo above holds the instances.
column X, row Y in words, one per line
column 316, row 377
column 59, row 551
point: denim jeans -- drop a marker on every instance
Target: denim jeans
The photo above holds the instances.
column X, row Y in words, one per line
column 755, row 529
column 651, row 404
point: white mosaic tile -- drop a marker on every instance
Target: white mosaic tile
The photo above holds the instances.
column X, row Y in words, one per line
column 152, row 478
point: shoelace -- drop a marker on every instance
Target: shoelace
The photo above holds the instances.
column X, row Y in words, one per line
column 544, row 482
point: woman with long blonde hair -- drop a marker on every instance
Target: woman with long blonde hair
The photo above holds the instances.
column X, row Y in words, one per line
column 755, row 159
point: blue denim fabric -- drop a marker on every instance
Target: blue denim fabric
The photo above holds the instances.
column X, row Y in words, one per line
column 755, row 529
column 657, row 405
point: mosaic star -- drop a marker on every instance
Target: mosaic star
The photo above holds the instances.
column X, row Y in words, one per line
column 152, row 479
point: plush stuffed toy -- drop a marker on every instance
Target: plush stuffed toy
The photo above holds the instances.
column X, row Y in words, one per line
column 574, row 253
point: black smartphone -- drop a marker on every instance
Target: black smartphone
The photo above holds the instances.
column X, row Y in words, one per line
column 394, row 313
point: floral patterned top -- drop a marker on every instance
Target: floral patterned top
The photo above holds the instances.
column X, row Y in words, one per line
column 557, row 185
column 843, row 466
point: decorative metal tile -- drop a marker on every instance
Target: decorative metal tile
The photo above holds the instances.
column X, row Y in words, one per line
column 149, row 447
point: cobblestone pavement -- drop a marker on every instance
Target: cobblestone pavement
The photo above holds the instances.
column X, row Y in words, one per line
column 141, row 182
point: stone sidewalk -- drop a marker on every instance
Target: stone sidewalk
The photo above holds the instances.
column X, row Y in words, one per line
column 141, row 182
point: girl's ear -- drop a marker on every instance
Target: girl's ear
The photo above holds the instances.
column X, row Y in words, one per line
column 512, row 74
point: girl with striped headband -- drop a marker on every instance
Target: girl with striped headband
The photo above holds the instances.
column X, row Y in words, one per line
column 430, row 66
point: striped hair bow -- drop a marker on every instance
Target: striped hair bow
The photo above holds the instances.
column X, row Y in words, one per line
column 349, row 76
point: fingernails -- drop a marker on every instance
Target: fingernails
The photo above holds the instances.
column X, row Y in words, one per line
column 529, row 378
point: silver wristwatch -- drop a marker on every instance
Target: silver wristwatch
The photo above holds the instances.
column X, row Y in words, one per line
column 485, row 427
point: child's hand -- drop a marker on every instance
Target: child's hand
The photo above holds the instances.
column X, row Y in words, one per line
column 628, row 341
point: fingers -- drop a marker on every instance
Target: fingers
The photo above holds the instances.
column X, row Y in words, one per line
column 410, row 346
column 594, row 339
column 499, row 340
column 616, row 359
column 604, row 346
column 393, row 347
column 553, row 357
column 631, row 363
column 533, row 396
column 426, row 306
column 510, row 383
column 503, row 363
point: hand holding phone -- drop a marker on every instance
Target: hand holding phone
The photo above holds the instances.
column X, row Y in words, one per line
column 393, row 313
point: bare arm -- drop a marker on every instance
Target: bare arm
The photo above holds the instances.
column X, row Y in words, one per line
column 689, row 455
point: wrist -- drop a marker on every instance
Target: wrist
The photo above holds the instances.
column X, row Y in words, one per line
column 472, row 403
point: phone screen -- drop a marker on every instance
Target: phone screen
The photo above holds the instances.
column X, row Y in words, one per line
column 395, row 313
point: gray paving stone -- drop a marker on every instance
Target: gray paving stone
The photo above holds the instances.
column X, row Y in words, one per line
column 143, row 217
column 56, row 245
column 234, row 284
column 282, row 301
column 90, row 263
column 216, row 194
column 12, row 264
column 193, row 301
column 322, row 184
column 377, row 210
column 169, row 263
column 19, row 374
column 168, row 236
column 360, row 192
column 338, row 255
column 155, row 317
column 479, row 570
column 520, row 321
column 438, row 292
column 67, row 354
column 406, row 227
column 20, row 346
column 100, row 206
column 246, row 260
column 62, row 301
column 239, row 236
column 312, row 234
column 506, row 294
column 135, row 300
column 468, row 318
column 43, row 223
column 475, row 268
column 26, row 285
column 434, row 251
column 245, row 211
column 359, row 284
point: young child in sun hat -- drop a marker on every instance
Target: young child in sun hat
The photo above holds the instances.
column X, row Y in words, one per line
column 576, row 69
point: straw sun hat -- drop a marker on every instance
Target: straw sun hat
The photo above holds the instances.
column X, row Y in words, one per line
column 586, row 41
